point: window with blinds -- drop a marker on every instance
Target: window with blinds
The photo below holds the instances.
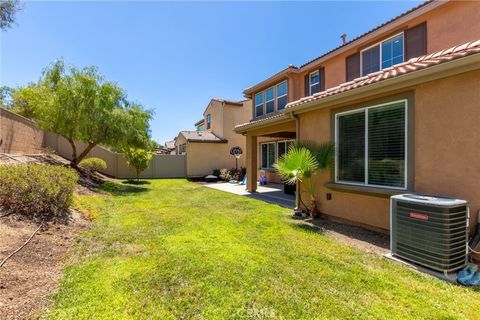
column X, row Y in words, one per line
column 371, row 145
column 273, row 151
column 268, row 155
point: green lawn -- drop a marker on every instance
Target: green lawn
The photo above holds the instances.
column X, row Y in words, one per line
column 176, row 250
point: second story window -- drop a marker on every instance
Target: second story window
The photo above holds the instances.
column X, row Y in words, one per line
column 392, row 51
column 209, row 121
column 382, row 55
column 272, row 99
column 314, row 82
column 259, row 104
column 281, row 95
column 371, row 60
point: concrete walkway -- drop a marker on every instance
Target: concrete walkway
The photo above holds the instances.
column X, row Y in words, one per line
column 272, row 193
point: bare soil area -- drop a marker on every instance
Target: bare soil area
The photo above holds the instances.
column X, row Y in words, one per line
column 355, row 236
column 30, row 276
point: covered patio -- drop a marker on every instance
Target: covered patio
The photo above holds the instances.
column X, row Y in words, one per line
column 271, row 193
column 264, row 130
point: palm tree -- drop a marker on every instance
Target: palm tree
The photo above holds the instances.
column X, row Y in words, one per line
column 302, row 161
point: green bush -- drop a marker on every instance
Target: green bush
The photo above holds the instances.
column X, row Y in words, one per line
column 39, row 192
column 216, row 172
column 93, row 164
column 231, row 174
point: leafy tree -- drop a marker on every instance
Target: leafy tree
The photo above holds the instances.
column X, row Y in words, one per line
column 79, row 105
column 8, row 9
column 301, row 163
column 137, row 159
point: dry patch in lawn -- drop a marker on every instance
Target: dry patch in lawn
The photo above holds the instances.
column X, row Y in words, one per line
column 30, row 276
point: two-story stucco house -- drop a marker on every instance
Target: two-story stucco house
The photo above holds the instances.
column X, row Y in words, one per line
column 401, row 103
column 208, row 147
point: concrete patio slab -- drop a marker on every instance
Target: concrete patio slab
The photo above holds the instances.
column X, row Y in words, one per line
column 271, row 193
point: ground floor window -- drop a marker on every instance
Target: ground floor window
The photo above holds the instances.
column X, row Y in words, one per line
column 371, row 145
column 270, row 152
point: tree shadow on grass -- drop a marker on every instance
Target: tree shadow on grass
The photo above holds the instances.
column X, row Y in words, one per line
column 135, row 182
column 117, row 189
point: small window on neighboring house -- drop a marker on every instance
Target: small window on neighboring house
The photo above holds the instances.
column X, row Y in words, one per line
column 281, row 95
column 209, row 121
column 314, row 82
column 371, row 146
column 201, row 127
column 182, row 149
column 270, row 100
column 259, row 104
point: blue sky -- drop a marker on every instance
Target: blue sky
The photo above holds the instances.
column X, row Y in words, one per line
column 173, row 57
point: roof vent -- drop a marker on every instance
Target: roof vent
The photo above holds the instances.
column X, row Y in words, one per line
column 344, row 38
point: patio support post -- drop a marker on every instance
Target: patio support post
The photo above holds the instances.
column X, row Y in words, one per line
column 251, row 163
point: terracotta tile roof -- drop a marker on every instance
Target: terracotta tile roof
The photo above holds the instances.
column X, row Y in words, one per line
column 370, row 31
column 170, row 144
column 199, row 122
column 414, row 64
column 240, row 103
column 290, row 68
column 275, row 116
column 201, row 136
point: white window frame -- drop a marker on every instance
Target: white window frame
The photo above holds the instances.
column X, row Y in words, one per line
column 274, row 88
column 379, row 44
column 262, row 104
column 286, row 149
column 275, row 99
column 268, row 156
column 283, row 95
column 208, row 122
column 310, row 78
column 276, row 143
column 365, row 110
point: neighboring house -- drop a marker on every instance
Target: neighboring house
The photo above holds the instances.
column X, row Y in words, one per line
column 401, row 103
column 208, row 147
column 200, row 125
column 168, row 148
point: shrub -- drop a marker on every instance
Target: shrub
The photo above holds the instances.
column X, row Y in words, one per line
column 216, row 172
column 93, row 164
column 231, row 174
column 39, row 192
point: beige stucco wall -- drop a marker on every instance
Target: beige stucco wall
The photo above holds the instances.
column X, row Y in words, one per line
column 447, row 149
column 18, row 134
column 447, row 139
column 215, row 110
column 202, row 158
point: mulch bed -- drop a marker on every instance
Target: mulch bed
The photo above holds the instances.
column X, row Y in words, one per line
column 355, row 236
